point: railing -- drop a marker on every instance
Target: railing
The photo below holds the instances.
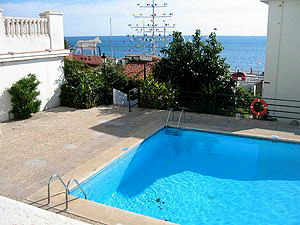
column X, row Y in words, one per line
column 172, row 130
column 133, row 95
column 228, row 104
column 67, row 190
column 167, row 122
column 23, row 27
column 50, row 181
column 179, row 120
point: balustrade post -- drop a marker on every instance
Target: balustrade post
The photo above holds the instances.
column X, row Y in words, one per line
column 54, row 28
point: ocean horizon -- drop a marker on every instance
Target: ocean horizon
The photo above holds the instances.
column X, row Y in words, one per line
column 243, row 53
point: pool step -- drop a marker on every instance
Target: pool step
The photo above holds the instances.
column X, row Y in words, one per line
column 172, row 131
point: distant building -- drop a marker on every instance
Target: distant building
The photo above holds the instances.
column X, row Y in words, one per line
column 139, row 66
column 282, row 70
column 95, row 59
column 35, row 46
column 91, row 60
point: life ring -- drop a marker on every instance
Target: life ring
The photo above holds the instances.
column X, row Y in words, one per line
column 254, row 112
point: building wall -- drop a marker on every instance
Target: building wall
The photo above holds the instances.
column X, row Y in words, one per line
column 31, row 45
column 48, row 72
column 282, row 71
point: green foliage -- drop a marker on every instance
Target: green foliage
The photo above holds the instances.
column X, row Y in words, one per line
column 196, row 66
column 244, row 100
column 113, row 77
column 157, row 95
column 82, row 87
column 87, row 87
column 24, row 95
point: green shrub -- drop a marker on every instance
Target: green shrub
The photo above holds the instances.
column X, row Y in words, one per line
column 82, row 87
column 243, row 100
column 113, row 77
column 24, row 95
column 157, row 95
column 87, row 87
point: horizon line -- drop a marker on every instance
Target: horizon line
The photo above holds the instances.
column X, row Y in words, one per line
column 168, row 36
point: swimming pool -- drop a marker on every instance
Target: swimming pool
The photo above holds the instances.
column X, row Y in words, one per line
column 203, row 178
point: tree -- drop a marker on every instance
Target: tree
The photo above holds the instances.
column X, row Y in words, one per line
column 195, row 65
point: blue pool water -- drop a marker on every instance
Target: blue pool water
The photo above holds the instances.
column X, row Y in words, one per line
column 204, row 178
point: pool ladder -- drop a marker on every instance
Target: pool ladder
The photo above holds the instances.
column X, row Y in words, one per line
column 171, row 130
column 66, row 186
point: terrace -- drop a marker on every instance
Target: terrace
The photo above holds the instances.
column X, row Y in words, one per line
column 81, row 141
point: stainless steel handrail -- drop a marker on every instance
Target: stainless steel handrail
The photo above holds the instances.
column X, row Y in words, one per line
column 50, row 181
column 67, row 191
column 182, row 111
column 168, row 117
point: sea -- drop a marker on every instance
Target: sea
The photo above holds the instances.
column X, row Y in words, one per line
column 242, row 53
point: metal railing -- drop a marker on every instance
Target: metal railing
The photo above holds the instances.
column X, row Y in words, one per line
column 50, row 181
column 167, row 122
column 229, row 103
column 67, row 190
column 133, row 95
column 232, row 104
column 179, row 120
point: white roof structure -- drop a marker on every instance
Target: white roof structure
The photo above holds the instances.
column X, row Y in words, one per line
column 89, row 44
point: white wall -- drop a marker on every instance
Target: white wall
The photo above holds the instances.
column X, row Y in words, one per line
column 48, row 72
column 32, row 34
column 31, row 46
column 282, row 71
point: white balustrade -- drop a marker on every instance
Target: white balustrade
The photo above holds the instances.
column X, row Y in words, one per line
column 23, row 27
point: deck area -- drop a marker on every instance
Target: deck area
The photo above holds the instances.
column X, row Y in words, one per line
column 62, row 139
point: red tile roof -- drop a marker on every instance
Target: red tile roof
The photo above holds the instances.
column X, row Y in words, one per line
column 136, row 69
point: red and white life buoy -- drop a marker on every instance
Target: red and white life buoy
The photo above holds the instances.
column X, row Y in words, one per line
column 254, row 112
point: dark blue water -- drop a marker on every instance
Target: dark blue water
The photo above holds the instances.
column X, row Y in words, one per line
column 241, row 52
column 204, row 178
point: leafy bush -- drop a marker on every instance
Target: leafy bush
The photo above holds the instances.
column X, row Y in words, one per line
column 24, row 95
column 113, row 77
column 157, row 95
column 82, row 87
column 87, row 87
column 244, row 100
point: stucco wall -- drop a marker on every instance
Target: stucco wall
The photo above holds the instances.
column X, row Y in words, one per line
column 31, row 45
column 48, row 72
column 282, row 71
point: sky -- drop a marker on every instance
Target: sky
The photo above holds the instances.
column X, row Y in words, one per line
column 91, row 17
